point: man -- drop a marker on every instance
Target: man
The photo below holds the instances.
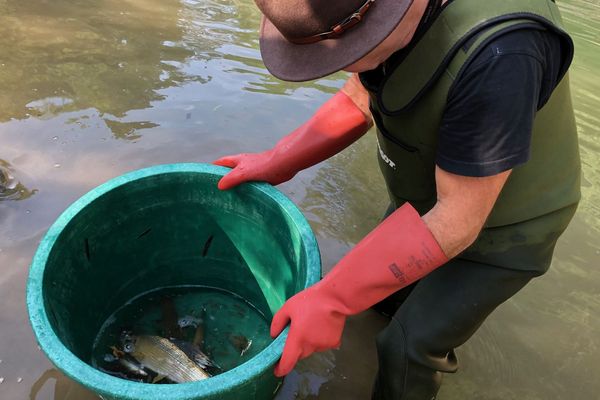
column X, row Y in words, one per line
column 476, row 141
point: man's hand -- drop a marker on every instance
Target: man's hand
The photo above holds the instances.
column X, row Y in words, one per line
column 315, row 326
column 253, row 167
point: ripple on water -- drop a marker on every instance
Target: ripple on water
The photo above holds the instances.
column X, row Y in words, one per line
column 10, row 186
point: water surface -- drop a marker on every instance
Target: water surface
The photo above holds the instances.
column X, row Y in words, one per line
column 90, row 90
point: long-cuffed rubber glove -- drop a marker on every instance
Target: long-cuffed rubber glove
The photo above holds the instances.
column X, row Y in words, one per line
column 336, row 124
column 399, row 251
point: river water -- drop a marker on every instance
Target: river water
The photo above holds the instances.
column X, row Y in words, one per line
column 91, row 90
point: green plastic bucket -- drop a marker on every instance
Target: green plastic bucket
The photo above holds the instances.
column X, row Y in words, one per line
column 148, row 229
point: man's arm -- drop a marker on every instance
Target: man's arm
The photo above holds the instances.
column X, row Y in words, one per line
column 463, row 205
column 338, row 123
column 401, row 250
column 355, row 90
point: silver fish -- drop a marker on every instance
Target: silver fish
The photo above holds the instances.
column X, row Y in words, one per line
column 132, row 366
column 195, row 354
column 166, row 359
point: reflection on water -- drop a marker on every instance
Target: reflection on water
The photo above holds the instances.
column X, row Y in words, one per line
column 331, row 197
column 60, row 56
column 91, row 90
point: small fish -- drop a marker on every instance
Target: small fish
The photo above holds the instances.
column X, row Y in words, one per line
column 125, row 360
column 163, row 357
column 241, row 343
column 127, row 343
column 131, row 365
column 116, row 352
column 189, row 320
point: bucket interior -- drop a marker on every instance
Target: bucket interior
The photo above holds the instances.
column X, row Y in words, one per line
column 170, row 229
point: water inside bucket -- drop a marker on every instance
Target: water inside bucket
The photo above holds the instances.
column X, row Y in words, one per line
column 226, row 327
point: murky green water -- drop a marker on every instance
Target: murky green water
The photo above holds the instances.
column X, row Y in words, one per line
column 225, row 327
column 90, row 90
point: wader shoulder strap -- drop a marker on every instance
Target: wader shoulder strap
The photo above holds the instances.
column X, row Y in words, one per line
column 440, row 49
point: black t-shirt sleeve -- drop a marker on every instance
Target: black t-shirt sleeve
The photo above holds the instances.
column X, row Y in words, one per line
column 487, row 124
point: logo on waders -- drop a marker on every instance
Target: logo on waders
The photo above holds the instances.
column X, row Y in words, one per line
column 385, row 158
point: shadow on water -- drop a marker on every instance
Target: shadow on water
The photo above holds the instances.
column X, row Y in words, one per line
column 91, row 90
column 64, row 388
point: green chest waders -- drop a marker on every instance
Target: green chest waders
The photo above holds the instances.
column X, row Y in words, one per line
column 445, row 308
column 540, row 197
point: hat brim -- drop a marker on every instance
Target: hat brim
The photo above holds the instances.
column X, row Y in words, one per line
column 304, row 62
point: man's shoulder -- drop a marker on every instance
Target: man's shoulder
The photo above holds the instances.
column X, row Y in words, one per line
column 513, row 58
column 539, row 43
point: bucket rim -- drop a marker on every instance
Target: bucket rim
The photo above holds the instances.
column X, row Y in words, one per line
column 108, row 385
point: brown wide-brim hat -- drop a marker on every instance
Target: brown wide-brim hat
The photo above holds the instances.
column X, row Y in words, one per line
column 301, row 19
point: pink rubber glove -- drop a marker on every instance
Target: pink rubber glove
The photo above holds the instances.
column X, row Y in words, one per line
column 336, row 124
column 398, row 252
